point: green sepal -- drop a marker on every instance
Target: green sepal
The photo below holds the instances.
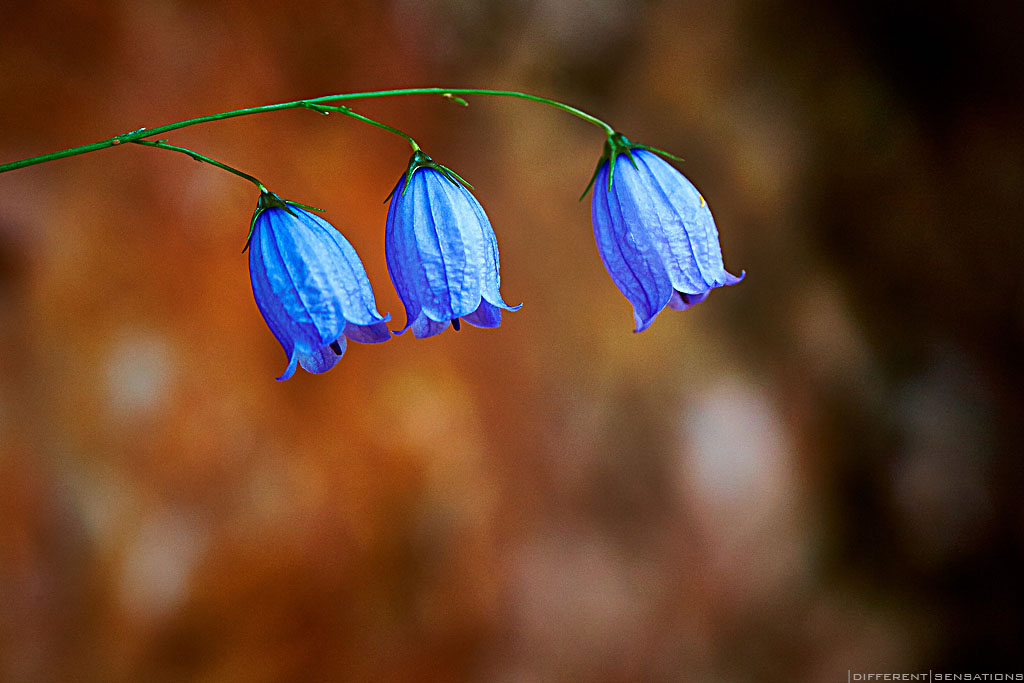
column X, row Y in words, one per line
column 659, row 152
column 326, row 109
column 616, row 145
column 270, row 200
column 593, row 177
column 455, row 98
column 421, row 159
column 304, row 206
column 453, row 176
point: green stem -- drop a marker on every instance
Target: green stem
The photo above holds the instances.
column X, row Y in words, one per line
column 579, row 113
column 163, row 144
column 142, row 133
column 327, row 109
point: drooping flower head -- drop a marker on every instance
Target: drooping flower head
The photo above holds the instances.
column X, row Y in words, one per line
column 654, row 232
column 441, row 252
column 310, row 286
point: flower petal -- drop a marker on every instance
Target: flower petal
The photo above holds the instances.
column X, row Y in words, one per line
column 625, row 248
column 490, row 273
column 681, row 301
column 367, row 334
column 730, row 279
column 302, row 271
column 424, row 327
column 441, row 251
column 428, row 262
column 293, row 359
column 308, row 283
column 486, row 315
column 268, row 304
column 324, row 358
column 401, row 263
column 648, row 208
column 459, row 234
column 353, row 285
column 687, row 202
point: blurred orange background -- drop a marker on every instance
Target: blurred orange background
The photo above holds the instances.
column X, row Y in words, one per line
column 816, row 471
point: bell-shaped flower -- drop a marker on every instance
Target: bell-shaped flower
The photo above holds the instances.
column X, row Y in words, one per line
column 654, row 232
column 441, row 252
column 310, row 286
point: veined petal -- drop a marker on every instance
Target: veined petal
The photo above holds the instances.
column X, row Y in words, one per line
column 647, row 208
column 308, row 283
column 368, row 334
column 487, row 250
column 323, row 359
column 460, row 236
column 441, row 250
column 681, row 302
column 424, row 327
column 357, row 302
column 271, row 310
column 402, row 266
column 687, row 202
column 302, row 272
column 431, row 264
column 490, row 273
column 421, row 248
column 486, row 315
column 632, row 262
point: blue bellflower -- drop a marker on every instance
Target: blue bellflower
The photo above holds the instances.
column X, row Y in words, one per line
column 310, row 286
column 654, row 232
column 441, row 252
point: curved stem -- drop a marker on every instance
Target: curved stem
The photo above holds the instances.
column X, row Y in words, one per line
column 142, row 133
column 578, row 113
column 163, row 144
column 327, row 109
